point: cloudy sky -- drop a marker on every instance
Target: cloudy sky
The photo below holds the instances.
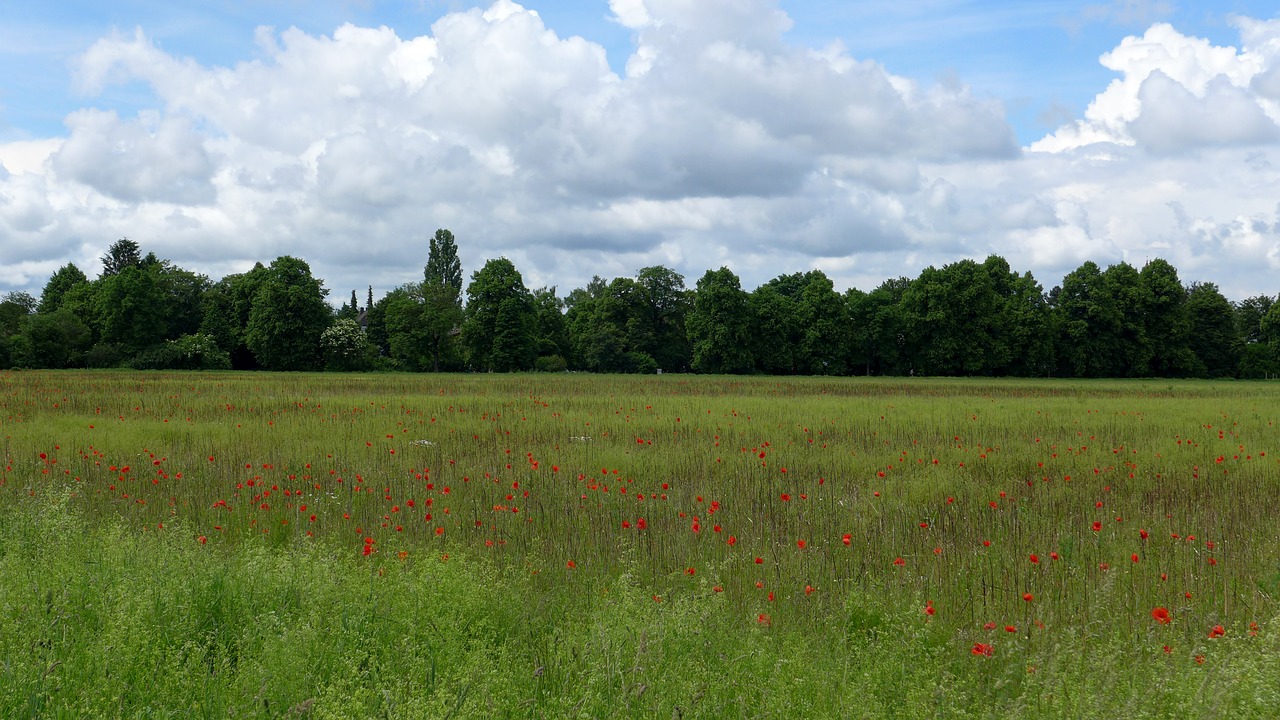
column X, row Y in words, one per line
column 866, row 138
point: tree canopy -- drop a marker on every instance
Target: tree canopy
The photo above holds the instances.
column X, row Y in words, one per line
column 964, row 318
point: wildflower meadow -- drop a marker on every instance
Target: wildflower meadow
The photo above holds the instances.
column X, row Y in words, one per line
column 213, row 545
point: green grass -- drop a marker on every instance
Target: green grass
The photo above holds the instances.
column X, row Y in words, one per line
column 197, row 584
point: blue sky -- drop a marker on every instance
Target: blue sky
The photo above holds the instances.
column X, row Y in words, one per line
column 866, row 139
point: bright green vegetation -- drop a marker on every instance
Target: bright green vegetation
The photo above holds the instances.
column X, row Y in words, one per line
column 258, row 545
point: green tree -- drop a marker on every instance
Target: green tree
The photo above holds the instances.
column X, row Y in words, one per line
column 131, row 308
column 349, row 311
column 879, row 328
column 597, row 341
column 1166, row 324
column 497, row 332
column 123, row 253
column 1249, row 314
column 719, row 325
column 60, row 283
column 1213, row 338
column 550, row 334
column 226, row 308
column 952, row 321
column 443, row 266
column 657, row 327
column 52, row 340
column 288, row 315
column 403, row 316
column 1258, row 357
column 777, row 335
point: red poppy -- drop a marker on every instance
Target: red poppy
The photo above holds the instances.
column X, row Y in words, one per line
column 1010, row 628
column 1053, row 556
column 1097, row 525
column 983, row 649
column 1035, row 558
column 801, row 544
column 764, row 619
column 1217, row 632
column 759, row 561
column 847, row 539
column 1028, row 597
column 899, row 562
column 1161, row 615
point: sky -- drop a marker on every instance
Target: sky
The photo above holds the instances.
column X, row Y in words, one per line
column 867, row 139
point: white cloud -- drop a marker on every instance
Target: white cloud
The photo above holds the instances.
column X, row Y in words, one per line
column 1170, row 83
column 721, row 144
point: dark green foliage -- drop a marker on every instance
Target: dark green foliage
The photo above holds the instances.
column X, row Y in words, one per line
column 123, row 253
column 1212, row 338
column 52, row 340
column 60, row 283
column 952, row 321
column 443, row 266
column 1167, row 324
column 497, row 333
column 719, row 325
column 288, row 315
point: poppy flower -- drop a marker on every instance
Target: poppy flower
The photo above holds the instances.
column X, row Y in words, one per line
column 1161, row 615
column 983, row 649
column 1010, row 629
column 802, row 544
column 1053, row 556
column 1217, row 632
column 847, row 539
column 1028, row 597
column 1097, row 525
column 1035, row 559
column 899, row 562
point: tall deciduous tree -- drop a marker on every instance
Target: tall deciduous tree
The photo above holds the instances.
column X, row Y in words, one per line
column 288, row 316
column 658, row 325
column 227, row 307
column 497, row 332
column 719, row 325
column 1213, row 337
column 953, row 321
column 60, row 283
column 1165, row 322
column 443, row 265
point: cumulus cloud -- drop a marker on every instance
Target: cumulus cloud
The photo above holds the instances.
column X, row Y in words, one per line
column 721, row 143
column 1179, row 93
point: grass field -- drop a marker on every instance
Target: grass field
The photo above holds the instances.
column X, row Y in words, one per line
column 258, row 545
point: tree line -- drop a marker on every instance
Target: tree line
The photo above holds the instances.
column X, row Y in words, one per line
column 963, row 319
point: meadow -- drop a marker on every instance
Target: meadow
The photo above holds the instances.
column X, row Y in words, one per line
column 323, row 546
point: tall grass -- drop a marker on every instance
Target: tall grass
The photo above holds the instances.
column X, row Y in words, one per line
column 205, row 544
